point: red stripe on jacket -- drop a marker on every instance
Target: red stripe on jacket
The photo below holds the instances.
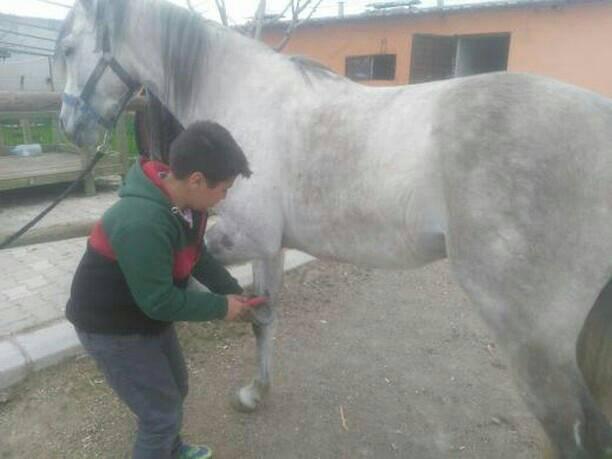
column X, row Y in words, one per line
column 100, row 243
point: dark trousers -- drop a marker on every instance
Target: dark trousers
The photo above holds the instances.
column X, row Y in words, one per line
column 148, row 373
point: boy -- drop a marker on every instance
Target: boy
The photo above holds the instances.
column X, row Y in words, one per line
column 129, row 287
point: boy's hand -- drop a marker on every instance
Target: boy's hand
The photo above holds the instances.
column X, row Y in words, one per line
column 237, row 307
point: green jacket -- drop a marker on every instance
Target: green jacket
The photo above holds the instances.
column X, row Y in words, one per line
column 139, row 258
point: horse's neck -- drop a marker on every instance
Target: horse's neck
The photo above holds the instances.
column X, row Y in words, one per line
column 229, row 65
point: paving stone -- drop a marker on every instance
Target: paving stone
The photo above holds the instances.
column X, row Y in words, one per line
column 43, row 265
column 59, row 300
column 51, row 273
column 50, row 289
column 36, row 281
column 47, row 253
column 6, row 282
column 65, row 282
column 46, row 312
column 34, row 304
column 4, row 302
column 22, row 322
column 19, row 272
column 16, row 292
column 8, row 263
column 18, row 253
column 30, row 259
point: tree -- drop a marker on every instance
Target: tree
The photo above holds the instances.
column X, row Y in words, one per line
column 255, row 27
column 296, row 10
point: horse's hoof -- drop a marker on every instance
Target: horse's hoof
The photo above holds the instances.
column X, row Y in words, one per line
column 247, row 399
column 244, row 401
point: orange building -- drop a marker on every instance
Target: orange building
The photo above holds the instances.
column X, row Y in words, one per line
column 570, row 40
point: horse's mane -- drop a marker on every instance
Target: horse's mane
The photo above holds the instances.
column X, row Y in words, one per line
column 305, row 64
column 184, row 39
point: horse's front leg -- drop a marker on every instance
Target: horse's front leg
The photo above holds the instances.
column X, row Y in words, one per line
column 267, row 280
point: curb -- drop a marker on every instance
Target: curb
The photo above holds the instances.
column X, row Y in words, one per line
column 24, row 353
column 53, row 233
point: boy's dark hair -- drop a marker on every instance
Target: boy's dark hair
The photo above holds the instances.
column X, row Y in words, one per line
column 209, row 148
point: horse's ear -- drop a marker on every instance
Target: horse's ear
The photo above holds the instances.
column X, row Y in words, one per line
column 92, row 8
column 89, row 6
column 97, row 8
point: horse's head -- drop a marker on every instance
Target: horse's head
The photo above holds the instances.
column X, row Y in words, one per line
column 97, row 86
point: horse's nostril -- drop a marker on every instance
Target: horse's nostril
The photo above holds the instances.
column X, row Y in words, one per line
column 61, row 122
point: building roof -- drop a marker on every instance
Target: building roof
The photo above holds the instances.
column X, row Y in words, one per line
column 21, row 35
column 446, row 9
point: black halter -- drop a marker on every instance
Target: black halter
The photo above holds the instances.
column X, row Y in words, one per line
column 83, row 103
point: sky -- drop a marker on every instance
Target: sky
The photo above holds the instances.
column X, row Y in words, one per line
column 238, row 10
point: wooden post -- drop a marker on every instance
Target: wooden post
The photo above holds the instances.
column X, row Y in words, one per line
column 122, row 144
column 25, row 123
column 26, row 129
column 50, row 79
column 56, row 136
column 3, row 149
column 89, row 183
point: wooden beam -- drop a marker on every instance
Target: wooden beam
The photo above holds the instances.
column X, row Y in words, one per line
column 52, row 233
column 122, row 143
column 22, row 101
column 3, row 149
column 89, row 182
column 26, row 129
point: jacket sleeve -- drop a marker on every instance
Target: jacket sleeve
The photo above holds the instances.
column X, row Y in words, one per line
column 213, row 275
column 145, row 256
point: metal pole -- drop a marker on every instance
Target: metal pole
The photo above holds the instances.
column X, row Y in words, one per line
column 51, row 84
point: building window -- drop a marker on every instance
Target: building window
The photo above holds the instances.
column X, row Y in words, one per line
column 374, row 67
column 437, row 57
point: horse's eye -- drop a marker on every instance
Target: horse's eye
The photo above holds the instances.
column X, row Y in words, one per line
column 68, row 51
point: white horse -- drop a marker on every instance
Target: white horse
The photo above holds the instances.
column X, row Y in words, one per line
column 509, row 176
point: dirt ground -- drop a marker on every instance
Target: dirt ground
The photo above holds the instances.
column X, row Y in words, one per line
column 368, row 364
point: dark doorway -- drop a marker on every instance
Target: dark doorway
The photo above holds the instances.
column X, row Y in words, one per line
column 437, row 57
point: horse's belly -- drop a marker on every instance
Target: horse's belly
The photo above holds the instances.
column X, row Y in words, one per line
column 377, row 237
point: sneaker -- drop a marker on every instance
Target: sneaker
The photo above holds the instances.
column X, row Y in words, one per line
column 194, row 452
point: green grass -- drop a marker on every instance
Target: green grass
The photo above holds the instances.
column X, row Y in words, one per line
column 40, row 128
column 42, row 132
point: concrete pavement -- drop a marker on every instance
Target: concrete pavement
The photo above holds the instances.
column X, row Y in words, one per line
column 18, row 207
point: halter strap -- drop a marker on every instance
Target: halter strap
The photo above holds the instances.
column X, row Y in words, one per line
column 83, row 102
